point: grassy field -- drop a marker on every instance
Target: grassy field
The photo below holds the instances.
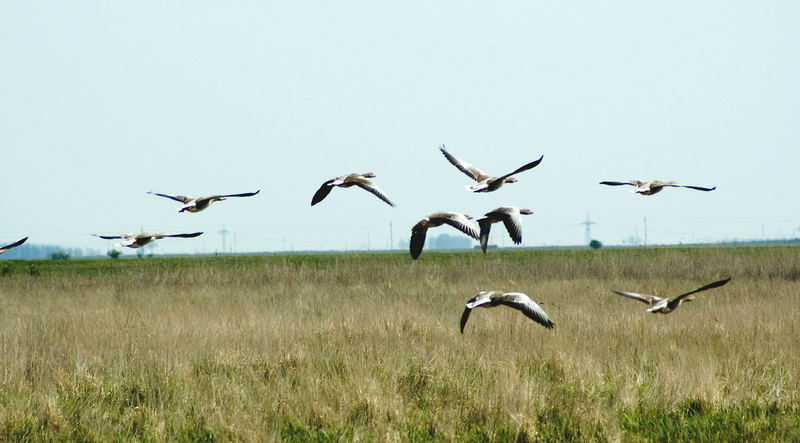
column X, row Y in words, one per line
column 367, row 347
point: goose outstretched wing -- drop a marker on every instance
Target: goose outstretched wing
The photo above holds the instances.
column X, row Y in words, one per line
column 193, row 234
column 177, row 198
column 370, row 187
column 715, row 284
column 458, row 221
column 530, row 165
column 471, row 171
column 647, row 299
column 322, row 192
column 12, row 245
column 530, row 308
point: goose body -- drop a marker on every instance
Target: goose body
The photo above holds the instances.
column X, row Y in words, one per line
column 197, row 204
column 653, row 186
column 454, row 219
column 511, row 216
column 138, row 240
column 346, row 181
column 12, row 245
column 485, row 182
column 660, row 305
column 517, row 300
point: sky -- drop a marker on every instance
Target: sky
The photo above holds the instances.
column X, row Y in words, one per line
column 101, row 102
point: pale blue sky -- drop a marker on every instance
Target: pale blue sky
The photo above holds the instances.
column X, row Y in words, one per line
column 102, row 101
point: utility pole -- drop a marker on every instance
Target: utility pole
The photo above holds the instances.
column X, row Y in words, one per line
column 224, row 233
column 645, row 231
column 588, row 234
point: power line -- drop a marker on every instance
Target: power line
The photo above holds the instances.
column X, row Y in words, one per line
column 588, row 232
column 224, row 233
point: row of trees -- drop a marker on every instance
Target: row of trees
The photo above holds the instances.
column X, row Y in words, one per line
column 448, row 241
column 36, row 251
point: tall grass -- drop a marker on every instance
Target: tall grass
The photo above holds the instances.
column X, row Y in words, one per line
column 367, row 347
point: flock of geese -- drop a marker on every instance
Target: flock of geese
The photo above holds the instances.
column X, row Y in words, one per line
column 510, row 216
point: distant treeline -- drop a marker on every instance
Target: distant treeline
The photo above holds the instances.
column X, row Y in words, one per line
column 441, row 241
column 34, row 251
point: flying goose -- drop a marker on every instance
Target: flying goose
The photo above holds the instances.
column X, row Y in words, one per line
column 653, row 186
column 197, row 204
column 12, row 245
column 139, row 240
column 510, row 216
column 665, row 306
column 454, row 219
column 485, row 183
column 516, row 300
column 346, row 181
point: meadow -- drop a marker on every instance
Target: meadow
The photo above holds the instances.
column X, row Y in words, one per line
column 367, row 347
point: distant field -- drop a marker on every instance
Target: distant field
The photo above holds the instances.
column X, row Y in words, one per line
column 367, row 347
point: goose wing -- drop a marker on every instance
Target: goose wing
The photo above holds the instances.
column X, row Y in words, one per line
column 647, row 299
column 612, row 183
column 458, row 221
column 244, row 194
column 716, row 284
column 12, row 245
column 471, row 171
column 111, row 237
column 482, row 298
column 322, row 192
column 530, row 165
column 530, row 308
column 418, row 233
column 177, row 198
column 464, row 318
column 369, row 186
column 486, row 225
column 698, row 188
column 193, row 234
column 512, row 221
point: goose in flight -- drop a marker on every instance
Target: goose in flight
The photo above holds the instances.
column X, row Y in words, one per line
column 516, row 300
column 511, row 216
column 346, row 181
column 653, row 186
column 197, row 204
column 486, row 183
column 12, row 245
column 139, row 240
column 454, row 219
column 664, row 306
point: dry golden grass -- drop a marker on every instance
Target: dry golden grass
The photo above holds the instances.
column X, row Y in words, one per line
column 367, row 347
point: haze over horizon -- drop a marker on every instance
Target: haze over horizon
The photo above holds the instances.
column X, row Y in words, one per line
column 102, row 102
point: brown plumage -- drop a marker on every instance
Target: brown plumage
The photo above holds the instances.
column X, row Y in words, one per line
column 516, row 300
column 653, row 186
column 454, row 219
column 660, row 305
column 139, row 240
column 511, row 216
column 346, row 181
column 486, row 183
column 197, row 204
